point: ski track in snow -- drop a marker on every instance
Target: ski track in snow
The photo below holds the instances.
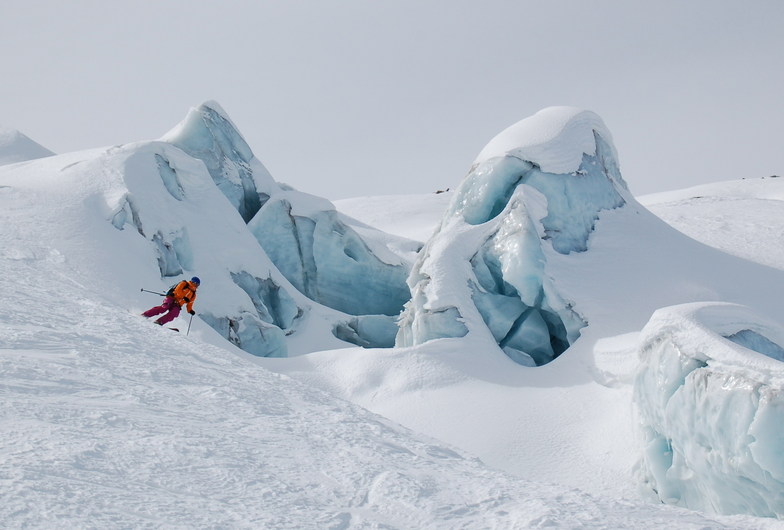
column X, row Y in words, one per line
column 108, row 421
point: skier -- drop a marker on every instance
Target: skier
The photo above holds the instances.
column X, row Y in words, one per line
column 182, row 293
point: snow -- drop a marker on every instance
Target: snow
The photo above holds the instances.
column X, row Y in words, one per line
column 555, row 139
column 357, row 271
column 710, row 214
column 16, row 147
column 110, row 421
column 414, row 217
column 502, row 216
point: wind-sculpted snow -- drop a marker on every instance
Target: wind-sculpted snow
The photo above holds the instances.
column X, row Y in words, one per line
column 505, row 212
column 710, row 401
column 172, row 222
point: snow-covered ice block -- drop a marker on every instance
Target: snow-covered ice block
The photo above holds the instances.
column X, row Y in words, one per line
column 711, row 409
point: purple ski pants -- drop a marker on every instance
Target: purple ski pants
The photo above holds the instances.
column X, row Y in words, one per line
column 167, row 305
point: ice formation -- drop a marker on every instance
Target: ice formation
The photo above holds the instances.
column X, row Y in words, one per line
column 208, row 134
column 709, row 400
column 541, row 183
column 327, row 260
column 322, row 256
column 285, row 260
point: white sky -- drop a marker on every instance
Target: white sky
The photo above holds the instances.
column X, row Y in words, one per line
column 373, row 97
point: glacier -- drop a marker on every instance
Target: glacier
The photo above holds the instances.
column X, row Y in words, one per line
column 709, row 401
column 543, row 181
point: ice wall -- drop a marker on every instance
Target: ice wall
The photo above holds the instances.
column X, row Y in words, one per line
column 709, row 397
column 327, row 260
column 537, row 188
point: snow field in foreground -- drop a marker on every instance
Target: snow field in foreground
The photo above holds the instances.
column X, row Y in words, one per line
column 109, row 421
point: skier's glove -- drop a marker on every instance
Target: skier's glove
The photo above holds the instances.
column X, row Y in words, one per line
column 192, row 312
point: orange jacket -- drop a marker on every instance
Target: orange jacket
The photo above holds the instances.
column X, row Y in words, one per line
column 185, row 293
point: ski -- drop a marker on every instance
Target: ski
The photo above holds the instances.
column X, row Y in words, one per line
column 174, row 329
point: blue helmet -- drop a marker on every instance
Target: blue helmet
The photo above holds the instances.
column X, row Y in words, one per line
column 196, row 280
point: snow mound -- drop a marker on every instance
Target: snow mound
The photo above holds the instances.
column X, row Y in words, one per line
column 16, row 147
column 711, row 409
column 555, row 139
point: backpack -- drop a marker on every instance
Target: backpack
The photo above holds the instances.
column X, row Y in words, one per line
column 170, row 292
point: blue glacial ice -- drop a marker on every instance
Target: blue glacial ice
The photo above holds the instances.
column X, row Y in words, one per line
column 504, row 213
column 208, row 134
column 320, row 255
column 327, row 260
column 708, row 396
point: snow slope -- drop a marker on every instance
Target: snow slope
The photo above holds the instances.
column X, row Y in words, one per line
column 741, row 217
column 111, row 422
column 411, row 216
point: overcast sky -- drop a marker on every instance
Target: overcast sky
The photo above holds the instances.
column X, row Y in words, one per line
column 375, row 97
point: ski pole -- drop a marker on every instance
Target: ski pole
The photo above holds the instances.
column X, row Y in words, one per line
column 189, row 326
column 153, row 292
